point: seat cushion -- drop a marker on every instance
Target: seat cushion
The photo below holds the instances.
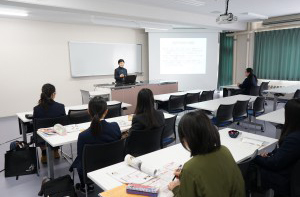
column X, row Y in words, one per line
column 222, row 124
column 251, row 113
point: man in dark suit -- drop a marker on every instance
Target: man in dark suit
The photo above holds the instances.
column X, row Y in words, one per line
column 120, row 72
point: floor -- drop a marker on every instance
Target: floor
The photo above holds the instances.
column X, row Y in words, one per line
column 29, row 185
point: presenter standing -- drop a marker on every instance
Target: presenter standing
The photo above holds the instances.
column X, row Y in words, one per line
column 120, row 72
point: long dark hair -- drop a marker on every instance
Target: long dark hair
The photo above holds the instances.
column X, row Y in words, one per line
column 47, row 91
column 201, row 136
column 291, row 123
column 145, row 105
column 251, row 75
column 97, row 107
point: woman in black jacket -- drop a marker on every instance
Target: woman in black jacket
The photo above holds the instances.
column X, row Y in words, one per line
column 276, row 167
column 248, row 83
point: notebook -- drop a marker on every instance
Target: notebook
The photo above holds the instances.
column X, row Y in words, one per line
column 118, row 191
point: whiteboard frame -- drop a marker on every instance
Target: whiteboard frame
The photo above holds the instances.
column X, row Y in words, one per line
column 96, row 75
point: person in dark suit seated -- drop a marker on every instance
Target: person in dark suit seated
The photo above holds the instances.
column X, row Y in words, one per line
column 212, row 171
column 146, row 117
column 48, row 108
column 275, row 167
column 248, row 83
column 120, row 72
column 99, row 132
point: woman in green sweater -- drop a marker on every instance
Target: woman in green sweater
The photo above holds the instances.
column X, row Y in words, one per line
column 212, row 171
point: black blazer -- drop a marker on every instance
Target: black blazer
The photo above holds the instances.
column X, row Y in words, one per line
column 248, row 83
column 276, row 168
column 110, row 133
column 118, row 72
column 140, row 122
column 54, row 110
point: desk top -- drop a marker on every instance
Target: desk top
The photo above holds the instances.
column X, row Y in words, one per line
column 72, row 134
column 176, row 153
column 234, row 86
column 276, row 117
column 21, row 115
column 166, row 97
column 213, row 105
column 284, row 90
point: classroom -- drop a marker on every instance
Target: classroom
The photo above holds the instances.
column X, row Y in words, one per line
column 159, row 98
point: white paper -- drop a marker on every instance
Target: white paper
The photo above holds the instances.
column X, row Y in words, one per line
column 252, row 141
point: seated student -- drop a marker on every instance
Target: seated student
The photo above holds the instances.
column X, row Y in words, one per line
column 275, row 167
column 248, row 83
column 212, row 171
column 146, row 116
column 100, row 132
column 48, row 108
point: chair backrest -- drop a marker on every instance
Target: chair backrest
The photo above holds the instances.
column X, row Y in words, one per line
column 206, row 96
column 297, row 94
column 240, row 109
column 263, row 86
column 85, row 96
column 169, row 128
column 224, row 113
column 192, row 98
column 79, row 116
column 295, row 180
column 97, row 156
column 176, row 102
column 254, row 90
column 140, row 142
column 47, row 122
column 259, row 105
column 114, row 110
column 244, row 165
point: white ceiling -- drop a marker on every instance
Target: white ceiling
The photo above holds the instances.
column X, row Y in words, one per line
column 152, row 13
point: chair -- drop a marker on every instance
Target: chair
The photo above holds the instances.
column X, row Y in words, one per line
column 79, row 116
column 140, row 142
column 191, row 98
column 263, row 86
column 254, row 91
column 240, row 111
column 244, row 166
column 206, row 96
column 45, row 123
column 114, row 110
column 85, row 96
column 297, row 94
column 258, row 109
column 224, row 116
column 176, row 103
column 97, row 156
column 295, row 180
column 168, row 131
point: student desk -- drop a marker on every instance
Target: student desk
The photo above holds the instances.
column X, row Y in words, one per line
column 176, row 153
column 23, row 120
column 283, row 90
column 213, row 105
column 57, row 140
column 166, row 97
column 230, row 88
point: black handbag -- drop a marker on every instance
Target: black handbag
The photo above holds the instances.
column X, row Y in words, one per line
column 22, row 161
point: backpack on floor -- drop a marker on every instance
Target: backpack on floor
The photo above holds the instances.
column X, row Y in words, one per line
column 59, row 187
column 20, row 160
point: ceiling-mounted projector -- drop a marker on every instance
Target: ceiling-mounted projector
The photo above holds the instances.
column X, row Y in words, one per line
column 226, row 18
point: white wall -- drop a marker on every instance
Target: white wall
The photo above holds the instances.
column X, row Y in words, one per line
column 33, row 53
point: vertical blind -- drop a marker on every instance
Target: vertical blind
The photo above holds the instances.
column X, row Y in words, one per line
column 225, row 60
column 277, row 54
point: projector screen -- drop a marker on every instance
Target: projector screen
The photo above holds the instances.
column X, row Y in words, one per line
column 182, row 55
column 190, row 58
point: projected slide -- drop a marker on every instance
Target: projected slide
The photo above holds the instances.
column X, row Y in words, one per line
column 182, row 55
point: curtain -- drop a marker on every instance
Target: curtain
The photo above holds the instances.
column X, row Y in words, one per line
column 225, row 60
column 277, row 54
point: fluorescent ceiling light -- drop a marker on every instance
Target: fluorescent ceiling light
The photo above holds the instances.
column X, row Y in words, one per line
column 10, row 12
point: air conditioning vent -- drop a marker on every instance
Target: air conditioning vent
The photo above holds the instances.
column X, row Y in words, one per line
column 282, row 20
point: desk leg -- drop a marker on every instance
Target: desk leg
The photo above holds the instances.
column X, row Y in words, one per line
column 275, row 102
column 50, row 162
column 23, row 130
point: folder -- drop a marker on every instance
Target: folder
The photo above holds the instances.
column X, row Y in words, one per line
column 118, row 192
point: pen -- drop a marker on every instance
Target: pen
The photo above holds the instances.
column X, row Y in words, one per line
column 178, row 169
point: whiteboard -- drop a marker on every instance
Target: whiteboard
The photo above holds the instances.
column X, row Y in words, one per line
column 91, row 59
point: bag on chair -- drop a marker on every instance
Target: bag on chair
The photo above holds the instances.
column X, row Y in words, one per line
column 59, row 187
column 20, row 160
